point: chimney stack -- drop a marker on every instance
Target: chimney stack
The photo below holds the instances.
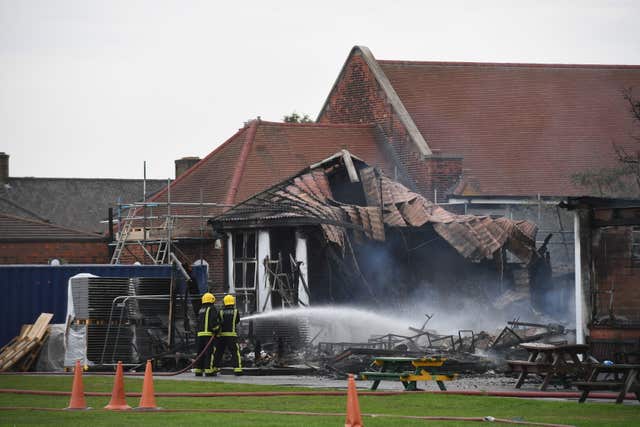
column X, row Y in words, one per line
column 185, row 163
column 4, row 168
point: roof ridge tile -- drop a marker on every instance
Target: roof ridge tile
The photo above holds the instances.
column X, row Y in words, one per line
column 509, row 64
column 316, row 124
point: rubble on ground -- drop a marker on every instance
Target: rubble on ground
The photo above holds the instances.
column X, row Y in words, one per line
column 480, row 354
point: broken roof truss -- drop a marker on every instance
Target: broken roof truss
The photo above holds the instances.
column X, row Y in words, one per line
column 307, row 198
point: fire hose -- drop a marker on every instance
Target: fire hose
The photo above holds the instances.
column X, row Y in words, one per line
column 318, row 414
column 520, row 394
column 183, row 370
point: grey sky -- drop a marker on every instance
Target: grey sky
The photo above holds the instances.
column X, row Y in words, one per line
column 93, row 88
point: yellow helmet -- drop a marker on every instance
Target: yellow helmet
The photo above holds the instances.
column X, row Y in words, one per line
column 208, row 298
column 229, row 300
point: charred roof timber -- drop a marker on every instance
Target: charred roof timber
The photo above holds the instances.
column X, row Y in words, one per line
column 309, row 199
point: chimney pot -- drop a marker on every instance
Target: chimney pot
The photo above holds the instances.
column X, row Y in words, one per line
column 4, row 168
column 185, row 163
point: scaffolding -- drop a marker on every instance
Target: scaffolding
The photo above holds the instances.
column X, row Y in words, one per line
column 156, row 227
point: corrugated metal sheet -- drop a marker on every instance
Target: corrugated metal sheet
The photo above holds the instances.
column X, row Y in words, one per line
column 474, row 237
column 28, row 290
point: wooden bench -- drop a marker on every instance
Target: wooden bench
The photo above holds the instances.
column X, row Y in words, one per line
column 526, row 367
column 408, row 379
column 626, row 380
column 529, row 367
column 377, row 376
column 399, row 369
column 552, row 362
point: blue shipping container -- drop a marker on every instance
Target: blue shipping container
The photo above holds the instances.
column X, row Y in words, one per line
column 28, row 290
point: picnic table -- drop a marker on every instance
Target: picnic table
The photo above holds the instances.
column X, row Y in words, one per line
column 408, row 370
column 622, row 378
column 553, row 362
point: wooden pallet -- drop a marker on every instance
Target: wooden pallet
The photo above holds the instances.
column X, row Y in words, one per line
column 22, row 351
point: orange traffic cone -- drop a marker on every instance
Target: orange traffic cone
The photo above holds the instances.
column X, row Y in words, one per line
column 148, row 399
column 118, row 401
column 354, row 419
column 77, row 401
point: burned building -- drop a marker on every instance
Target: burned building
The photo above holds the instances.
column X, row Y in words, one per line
column 259, row 155
column 607, row 235
column 343, row 232
column 499, row 139
column 482, row 138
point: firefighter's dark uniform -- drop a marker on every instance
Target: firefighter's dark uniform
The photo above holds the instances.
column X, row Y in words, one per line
column 207, row 327
column 228, row 338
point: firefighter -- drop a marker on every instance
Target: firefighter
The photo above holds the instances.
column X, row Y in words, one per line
column 228, row 336
column 208, row 326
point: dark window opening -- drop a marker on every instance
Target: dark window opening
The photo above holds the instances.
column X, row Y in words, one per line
column 245, row 269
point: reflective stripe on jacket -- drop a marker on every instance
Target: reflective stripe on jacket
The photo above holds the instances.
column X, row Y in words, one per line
column 207, row 320
column 229, row 318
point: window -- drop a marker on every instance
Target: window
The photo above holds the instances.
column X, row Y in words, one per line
column 245, row 265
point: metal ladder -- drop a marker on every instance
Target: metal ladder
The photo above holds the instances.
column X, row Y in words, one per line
column 163, row 246
column 123, row 235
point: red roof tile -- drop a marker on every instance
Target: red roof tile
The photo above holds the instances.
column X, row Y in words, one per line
column 523, row 129
column 275, row 152
column 280, row 150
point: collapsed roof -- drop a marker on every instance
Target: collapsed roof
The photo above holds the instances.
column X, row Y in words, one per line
column 309, row 198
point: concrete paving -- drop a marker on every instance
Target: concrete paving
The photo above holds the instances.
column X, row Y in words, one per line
column 492, row 383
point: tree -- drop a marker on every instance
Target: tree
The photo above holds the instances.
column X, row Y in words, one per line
column 622, row 180
column 297, row 118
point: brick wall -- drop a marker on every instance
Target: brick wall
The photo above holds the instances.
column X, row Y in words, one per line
column 439, row 174
column 215, row 258
column 358, row 98
column 43, row 252
column 616, row 258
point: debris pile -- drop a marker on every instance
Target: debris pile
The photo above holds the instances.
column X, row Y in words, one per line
column 467, row 351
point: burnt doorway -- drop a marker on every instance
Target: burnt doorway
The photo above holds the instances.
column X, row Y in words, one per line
column 283, row 250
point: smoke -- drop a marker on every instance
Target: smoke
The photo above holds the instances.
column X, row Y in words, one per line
column 408, row 277
column 359, row 324
column 448, row 310
column 460, row 295
column 559, row 301
column 340, row 323
column 461, row 307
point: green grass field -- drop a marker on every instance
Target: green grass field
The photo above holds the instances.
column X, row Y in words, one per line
column 589, row 414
